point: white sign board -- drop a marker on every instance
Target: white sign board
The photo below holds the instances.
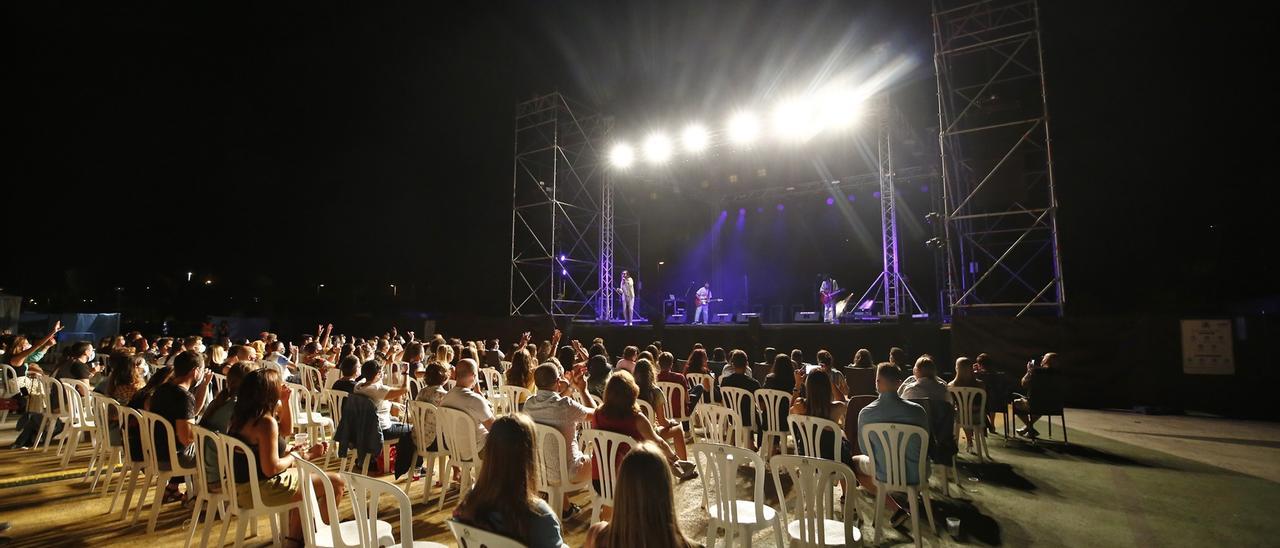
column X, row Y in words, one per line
column 1207, row 347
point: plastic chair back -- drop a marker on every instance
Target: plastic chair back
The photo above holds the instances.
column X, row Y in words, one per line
column 719, row 423
column 813, row 481
column 808, row 432
column 718, row 466
column 475, row 537
column 607, row 450
column 894, row 440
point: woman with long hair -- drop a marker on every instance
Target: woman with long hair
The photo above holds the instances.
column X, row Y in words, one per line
column 697, row 363
column 813, row 397
column 668, row 428
column 521, row 371
column 620, row 414
column 597, row 373
column 862, row 359
column 126, row 377
column 258, row 420
column 22, row 356
column 644, row 511
column 505, row 498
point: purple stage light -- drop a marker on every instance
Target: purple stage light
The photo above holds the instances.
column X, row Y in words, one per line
column 831, row 201
column 564, row 272
column 781, row 207
column 851, row 197
column 924, row 188
column 562, row 258
column 876, row 194
column 760, row 209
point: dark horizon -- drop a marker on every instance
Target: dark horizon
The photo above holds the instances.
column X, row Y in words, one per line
column 270, row 149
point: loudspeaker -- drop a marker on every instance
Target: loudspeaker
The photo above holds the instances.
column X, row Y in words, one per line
column 724, row 318
column 807, row 317
column 745, row 317
column 675, row 319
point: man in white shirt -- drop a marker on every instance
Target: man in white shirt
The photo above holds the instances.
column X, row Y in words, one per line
column 552, row 406
column 703, row 315
column 628, row 290
column 463, row 398
column 828, row 290
column 924, row 382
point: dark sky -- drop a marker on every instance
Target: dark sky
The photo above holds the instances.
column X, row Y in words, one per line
column 274, row 147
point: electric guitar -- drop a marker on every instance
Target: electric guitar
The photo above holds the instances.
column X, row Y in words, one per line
column 700, row 302
column 828, row 296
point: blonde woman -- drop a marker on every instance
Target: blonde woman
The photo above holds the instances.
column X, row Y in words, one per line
column 644, row 512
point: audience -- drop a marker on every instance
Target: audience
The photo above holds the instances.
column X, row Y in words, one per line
column 889, row 407
column 463, row 398
column 839, row 386
column 505, row 499
column 813, row 398
column 348, row 370
column 666, row 373
column 644, row 505
column 597, row 373
column 898, row 358
column 739, row 376
column 261, row 420
column 1044, row 373
column 127, row 377
column 521, row 372
column 628, row 361
column 552, row 406
column 370, row 385
column 668, row 428
column 924, row 382
column 175, row 403
column 619, row 414
column 22, row 356
column 862, row 359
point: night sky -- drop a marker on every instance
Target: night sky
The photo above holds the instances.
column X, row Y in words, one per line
column 270, row 148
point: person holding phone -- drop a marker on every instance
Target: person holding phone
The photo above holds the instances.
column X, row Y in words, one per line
column 1042, row 373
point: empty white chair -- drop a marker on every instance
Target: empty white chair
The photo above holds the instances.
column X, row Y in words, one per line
column 310, row 378
column 334, row 399
column 75, row 421
column 306, row 415
column 492, row 380
column 365, row 492
column 133, row 461
column 718, row 466
column 971, row 417
column 335, row 533
column 513, row 398
column 706, row 381
column 420, row 415
column 808, row 433
column 475, row 537
column 553, row 460
column 677, row 397
column 718, row 423
column 248, row 511
column 458, row 440
column 606, row 450
column 894, row 440
column 45, row 387
column 772, row 430
column 209, row 486
column 156, row 469
column 813, row 482
column 106, row 455
column 740, row 402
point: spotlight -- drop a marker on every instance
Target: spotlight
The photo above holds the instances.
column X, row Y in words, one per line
column 780, row 207
column 841, row 109
column 695, row 138
column 794, row 120
column 743, row 128
column 562, row 258
column 831, row 201
column 622, row 156
column 657, row 148
column 932, row 217
column 933, row 243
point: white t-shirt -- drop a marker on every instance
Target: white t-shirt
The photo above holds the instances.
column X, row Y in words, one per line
column 703, row 295
column 629, row 365
column 378, row 393
column 473, row 404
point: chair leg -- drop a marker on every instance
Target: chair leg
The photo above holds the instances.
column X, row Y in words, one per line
column 877, row 516
column 928, row 511
column 161, row 484
column 915, row 517
column 131, row 482
column 1064, row 428
column 240, row 527
column 195, row 521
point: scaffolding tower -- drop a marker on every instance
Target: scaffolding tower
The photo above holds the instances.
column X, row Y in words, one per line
column 999, row 203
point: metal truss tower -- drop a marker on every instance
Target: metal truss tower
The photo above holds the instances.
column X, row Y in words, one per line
column 557, row 206
column 890, row 288
column 999, row 203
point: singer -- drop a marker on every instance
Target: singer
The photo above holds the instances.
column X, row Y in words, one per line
column 627, row 288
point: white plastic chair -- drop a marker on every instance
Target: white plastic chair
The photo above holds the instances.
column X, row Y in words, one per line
column 553, row 460
column 971, row 416
column 492, row 380
column 420, row 413
column 893, row 440
column 808, row 431
column 310, row 378
column 814, row 481
column 8, row 387
column 679, row 394
column 248, row 511
column 605, row 449
column 334, row 399
column 365, row 492
column 105, row 455
column 219, row 382
column 335, row 533
column 513, row 397
column 49, row 418
column 154, row 470
column 718, row 465
column 718, row 423
column 647, row 411
column 132, row 463
column 740, row 402
column 458, row 441
column 75, row 421
column 768, row 402
column 475, row 537
column 708, row 383
column 306, row 417
column 209, row 490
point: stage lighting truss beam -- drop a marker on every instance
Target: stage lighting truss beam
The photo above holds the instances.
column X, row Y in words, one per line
column 556, row 210
column 1002, row 250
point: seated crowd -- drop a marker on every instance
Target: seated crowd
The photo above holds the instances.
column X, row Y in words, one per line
column 568, row 388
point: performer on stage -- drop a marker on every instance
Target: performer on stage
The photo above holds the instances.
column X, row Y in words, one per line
column 828, row 290
column 704, row 307
column 628, row 291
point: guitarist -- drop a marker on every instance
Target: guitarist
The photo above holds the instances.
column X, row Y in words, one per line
column 702, row 299
column 828, row 290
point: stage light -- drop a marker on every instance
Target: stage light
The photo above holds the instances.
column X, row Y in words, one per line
column 780, row 207
column 562, row 258
column 831, row 201
column 657, row 148
column 622, row 156
column 743, row 128
column 795, row 120
column 841, row 109
column 695, row 138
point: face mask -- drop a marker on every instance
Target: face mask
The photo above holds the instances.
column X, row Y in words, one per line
column 92, row 355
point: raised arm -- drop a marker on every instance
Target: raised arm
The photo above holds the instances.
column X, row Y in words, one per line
column 48, row 339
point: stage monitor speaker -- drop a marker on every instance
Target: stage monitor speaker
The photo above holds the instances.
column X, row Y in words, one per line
column 724, row 318
column 745, row 317
column 675, row 319
column 807, row 317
